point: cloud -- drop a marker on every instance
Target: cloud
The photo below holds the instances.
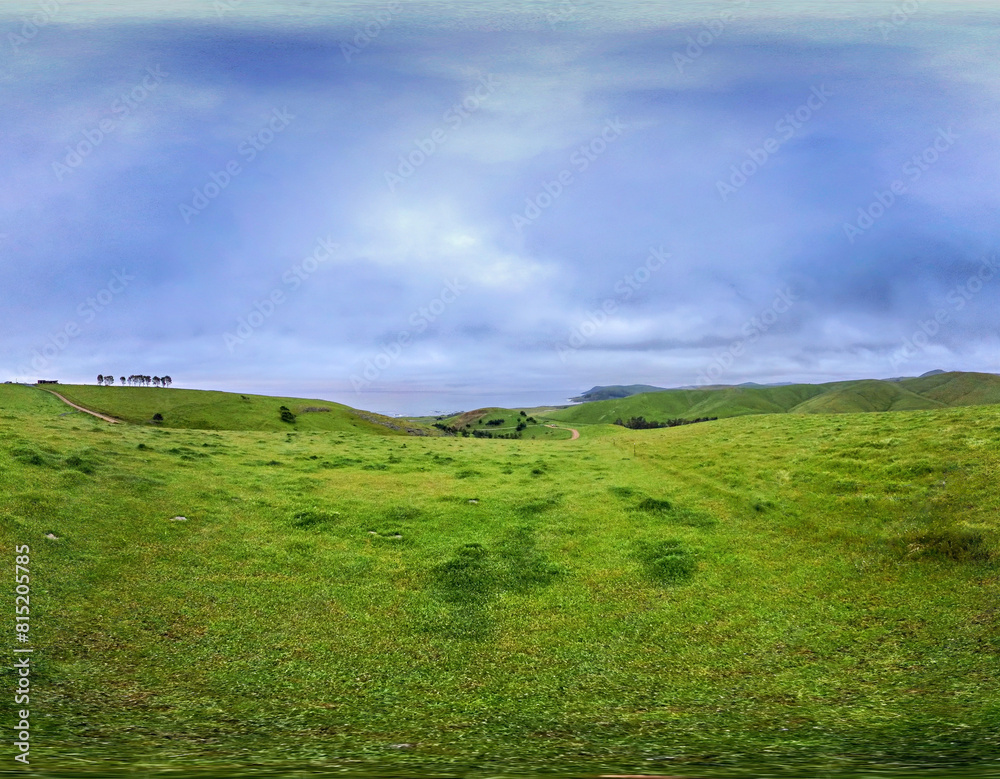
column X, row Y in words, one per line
column 476, row 159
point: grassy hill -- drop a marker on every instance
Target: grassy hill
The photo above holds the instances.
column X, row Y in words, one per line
column 207, row 410
column 789, row 591
column 477, row 419
column 957, row 389
column 616, row 391
column 868, row 396
column 941, row 390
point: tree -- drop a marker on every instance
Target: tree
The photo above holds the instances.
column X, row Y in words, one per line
column 100, row 378
column 166, row 381
column 122, row 380
column 156, row 381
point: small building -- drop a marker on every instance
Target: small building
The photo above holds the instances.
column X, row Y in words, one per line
column 47, row 381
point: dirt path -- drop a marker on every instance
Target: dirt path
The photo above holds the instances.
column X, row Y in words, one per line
column 576, row 433
column 105, row 417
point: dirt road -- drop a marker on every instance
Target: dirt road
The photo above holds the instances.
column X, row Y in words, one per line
column 105, row 417
column 576, row 433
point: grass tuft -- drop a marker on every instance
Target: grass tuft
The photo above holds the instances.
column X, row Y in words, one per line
column 668, row 561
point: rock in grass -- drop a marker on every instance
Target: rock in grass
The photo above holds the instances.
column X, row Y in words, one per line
column 178, row 519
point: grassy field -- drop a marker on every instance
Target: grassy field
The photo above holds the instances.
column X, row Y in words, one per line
column 815, row 591
column 205, row 410
column 845, row 397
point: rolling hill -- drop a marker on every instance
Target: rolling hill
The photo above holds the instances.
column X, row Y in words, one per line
column 211, row 410
column 784, row 591
column 615, row 391
column 923, row 393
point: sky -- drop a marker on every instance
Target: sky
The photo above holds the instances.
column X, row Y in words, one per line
column 423, row 207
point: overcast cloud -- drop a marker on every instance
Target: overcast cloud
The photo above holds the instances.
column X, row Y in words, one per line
column 410, row 208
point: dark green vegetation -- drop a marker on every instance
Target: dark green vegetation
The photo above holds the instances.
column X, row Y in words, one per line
column 614, row 392
column 641, row 423
column 498, row 423
column 941, row 390
column 806, row 590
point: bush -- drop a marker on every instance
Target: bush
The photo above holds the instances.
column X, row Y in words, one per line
column 287, row 415
column 157, row 417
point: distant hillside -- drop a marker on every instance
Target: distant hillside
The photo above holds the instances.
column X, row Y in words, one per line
column 210, row 410
column 473, row 417
column 615, row 391
column 937, row 390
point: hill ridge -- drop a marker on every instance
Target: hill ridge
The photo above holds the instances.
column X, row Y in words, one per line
column 934, row 390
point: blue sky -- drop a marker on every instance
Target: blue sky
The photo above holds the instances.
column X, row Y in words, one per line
column 414, row 207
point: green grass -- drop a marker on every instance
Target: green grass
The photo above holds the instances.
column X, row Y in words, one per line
column 477, row 420
column 814, row 591
column 205, row 410
column 941, row 390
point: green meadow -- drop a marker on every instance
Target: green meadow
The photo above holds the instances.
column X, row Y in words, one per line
column 942, row 390
column 222, row 589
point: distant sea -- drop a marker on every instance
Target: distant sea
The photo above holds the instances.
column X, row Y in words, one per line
column 436, row 403
column 409, row 403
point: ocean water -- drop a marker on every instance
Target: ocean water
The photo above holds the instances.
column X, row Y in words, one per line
column 406, row 402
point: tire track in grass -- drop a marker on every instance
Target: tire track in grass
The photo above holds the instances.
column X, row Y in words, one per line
column 97, row 414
